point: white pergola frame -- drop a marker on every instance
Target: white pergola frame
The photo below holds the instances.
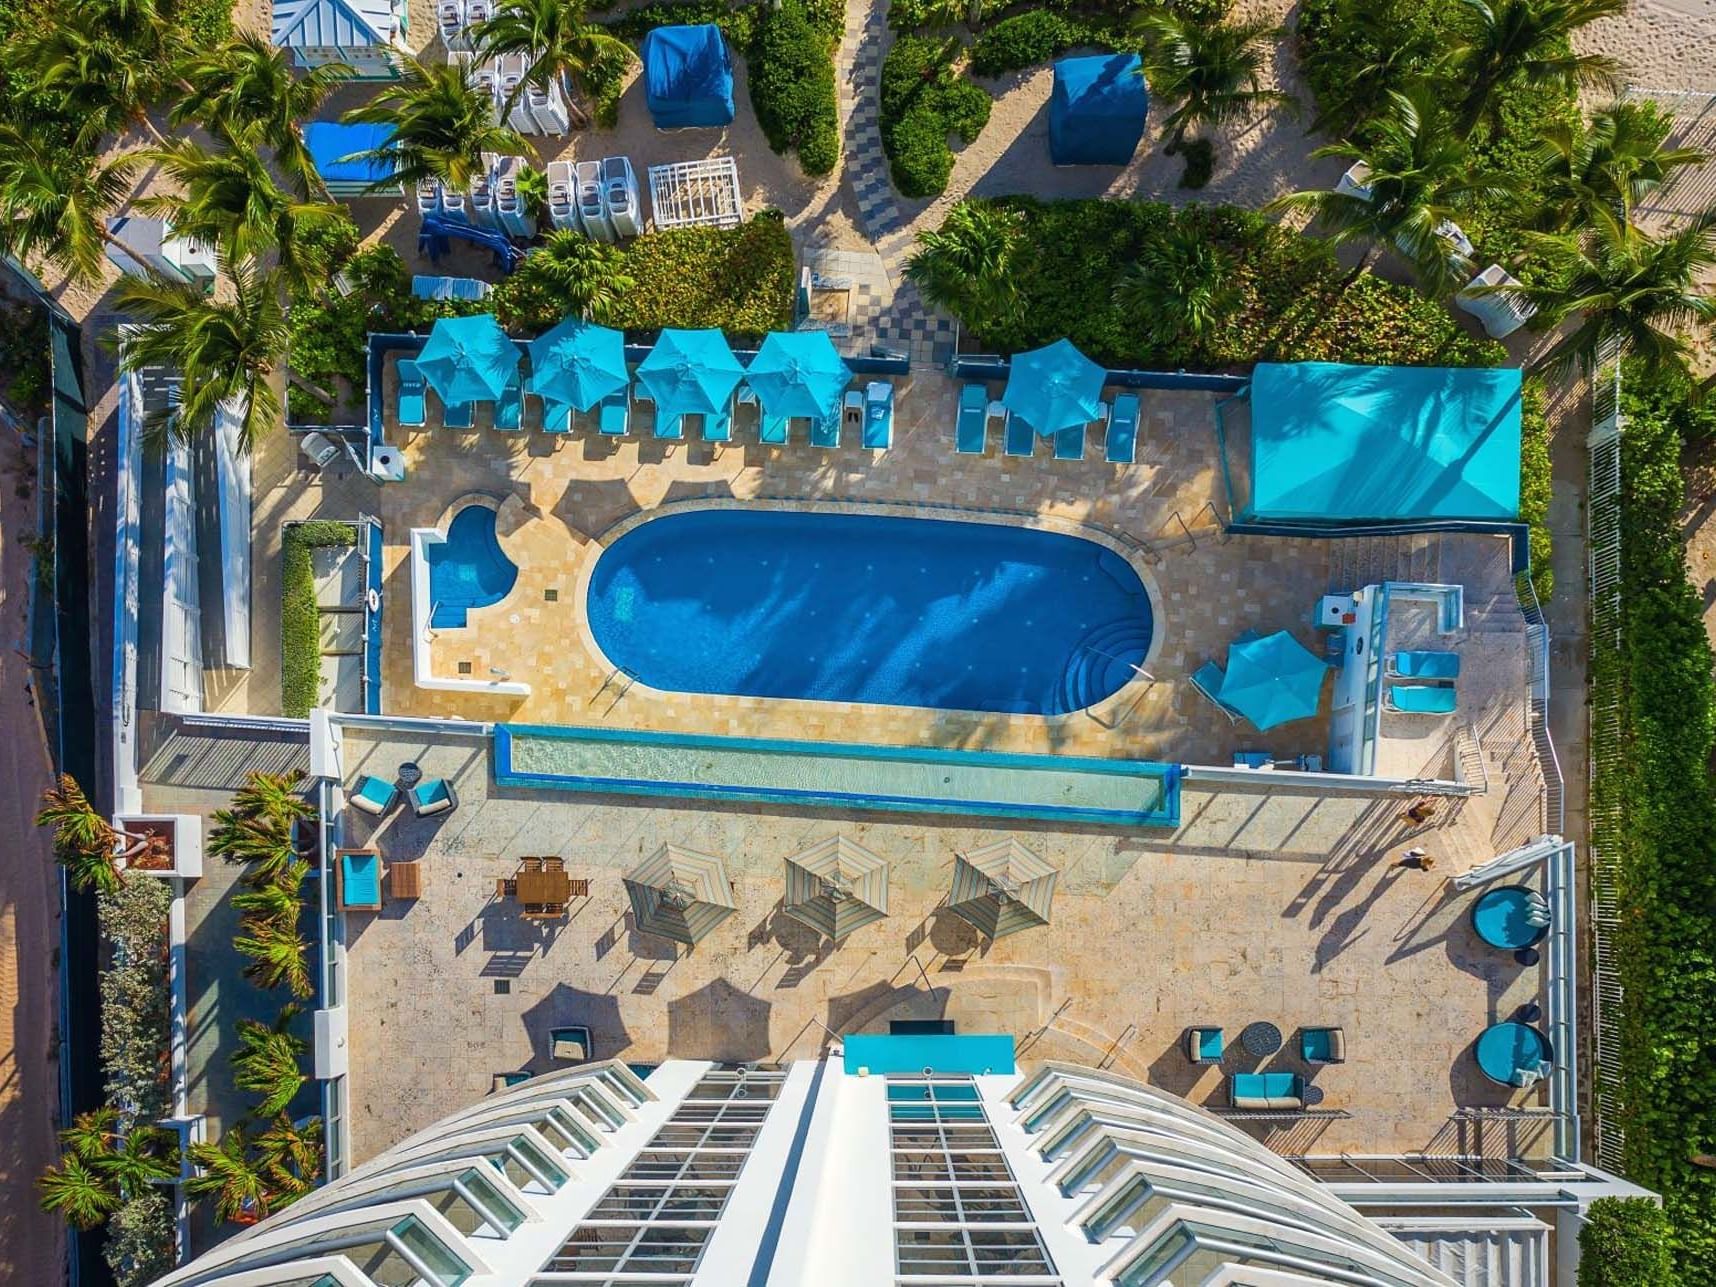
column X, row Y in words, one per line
column 690, row 193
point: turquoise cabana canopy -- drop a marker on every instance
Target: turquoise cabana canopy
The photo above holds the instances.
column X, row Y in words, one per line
column 1273, row 680
column 1054, row 388
column 690, row 373
column 577, row 364
column 798, row 373
column 1352, row 443
column 468, row 359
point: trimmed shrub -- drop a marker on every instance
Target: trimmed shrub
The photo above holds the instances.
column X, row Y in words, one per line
column 739, row 279
column 792, row 87
column 139, row 1246
column 135, row 1004
column 924, row 102
column 1536, row 486
column 1624, row 1243
column 1029, row 38
column 300, row 636
column 203, row 23
column 737, row 23
column 1199, row 156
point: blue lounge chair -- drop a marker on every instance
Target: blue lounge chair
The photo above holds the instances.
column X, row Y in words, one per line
column 462, row 416
column 971, row 432
column 409, row 409
column 1123, row 430
column 1425, row 665
column 746, row 396
column 358, row 880
column 1267, row 1092
column 569, row 1045
column 373, row 795
column 1069, row 443
column 616, row 415
column 878, row 415
column 670, row 427
column 1018, row 438
column 432, row 796
column 508, row 409
column 1323, row 1046
column 1207, row 679
column 1420, row 699
column 1203, row 1045
column 556, row 417
column 719, row 427
column 773, row 430
column 825, row 432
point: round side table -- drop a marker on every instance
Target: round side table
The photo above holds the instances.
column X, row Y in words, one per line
column 1261, row 1038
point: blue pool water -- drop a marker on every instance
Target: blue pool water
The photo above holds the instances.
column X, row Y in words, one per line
column 865, row 608
column 470, row 570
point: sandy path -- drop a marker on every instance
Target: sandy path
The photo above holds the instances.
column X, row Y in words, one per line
column 32, row 1244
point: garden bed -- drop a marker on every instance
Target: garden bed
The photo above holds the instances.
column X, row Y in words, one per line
column 300, row 626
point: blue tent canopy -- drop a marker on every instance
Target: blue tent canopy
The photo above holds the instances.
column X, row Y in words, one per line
column 336, row 147
column 1383, row 443
column 1096, row 110
column 688, row 77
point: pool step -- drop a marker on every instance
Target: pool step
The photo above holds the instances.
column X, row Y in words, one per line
column 1102, row 662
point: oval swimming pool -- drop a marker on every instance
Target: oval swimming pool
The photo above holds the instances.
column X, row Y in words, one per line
column 882, row 609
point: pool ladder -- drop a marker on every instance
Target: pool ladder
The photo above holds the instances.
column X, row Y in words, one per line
column 619, row 696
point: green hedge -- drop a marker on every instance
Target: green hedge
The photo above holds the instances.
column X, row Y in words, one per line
column 1289, row 304
column 924, row 102
column 1535, row 487
column 1666, row 830
column 300, row 627
column 792, row 87
column 1624, row 1243
column 1033, row 37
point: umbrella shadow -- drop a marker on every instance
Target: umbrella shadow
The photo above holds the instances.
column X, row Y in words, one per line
column 869, row 1008
column 568, row 1007
column 718, row 1021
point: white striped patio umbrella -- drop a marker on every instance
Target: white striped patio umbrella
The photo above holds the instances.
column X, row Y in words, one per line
column 680, row 894
column 836, row 887
column 1002, row 888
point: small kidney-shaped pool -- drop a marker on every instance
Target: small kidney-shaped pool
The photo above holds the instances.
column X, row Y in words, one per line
column 880, row 609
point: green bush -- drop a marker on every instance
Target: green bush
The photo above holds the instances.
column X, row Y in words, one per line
column 739, row 279
column 736, row 22
column 1536, row 486
column 1029, row 38
column 203, row 23
column 139, row 1246
column 300, row 634
column 1288, row 303
column 792, row 87
column 1624, row 1243
column 1199, row 156
column 923, row 103
column 135, row 1016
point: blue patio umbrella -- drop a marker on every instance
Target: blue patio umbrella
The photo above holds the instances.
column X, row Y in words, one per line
column 1273, row 680
column 798, row 373
column 690, row 373
column 577, row 363
column 1054, row 388
column 468, row 359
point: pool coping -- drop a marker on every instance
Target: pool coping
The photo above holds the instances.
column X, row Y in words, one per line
column 1103, row 712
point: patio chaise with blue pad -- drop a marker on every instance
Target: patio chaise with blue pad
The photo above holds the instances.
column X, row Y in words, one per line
column 1420, row 699
column 460, row 416
column 1018, row 438
column 556, row 417
column 971, row 431
column 718, row 425
column 1122, row 446
column 373, row 795
column 615, row 417
column 772, row 431
column 1069, row 443
column 1267, row 1092
column 508, row 409
column 825, row 430
column 409, row 410
column 1425, row 665
column 1207, row 679
column 432, row 796
column 670, row 427
column 878, row 415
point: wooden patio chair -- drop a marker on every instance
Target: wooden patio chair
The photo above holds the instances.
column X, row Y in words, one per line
column 505, row 888
column 580, row 888
column 553, row 864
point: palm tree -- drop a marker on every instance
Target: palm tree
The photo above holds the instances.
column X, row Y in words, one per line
column 966, row 267
column 292, row 1156
column 279, row 956
column 1214, row 71
column 226, row 350
column 442, row 125
column 267, row 1060
column 1180, row 287
column 54, row 201
column 232, row 202
column 589, row 275
column 273, row 795
column 77, row 1191
column 558, row 43
column 1525, row 41
column 1627, row 289
column 1611, row 164
column 1419, row 177
column 91, row 1134
column 102, row 79
column 87, row 844
column 1378, row 49
column 261, row 843
column 248, row 84
column 146, row 1155
column 233, row 1176
column 274, row 897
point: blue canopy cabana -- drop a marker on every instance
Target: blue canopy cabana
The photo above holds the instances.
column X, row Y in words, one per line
column 688, row 77
column 577, row 364
column 342, row 156
column 1054, row 388
column 798, row 373
column 1344, row 443
column 690, row 373
column 1273, row 680
column 1097, row 109
column 468, row 359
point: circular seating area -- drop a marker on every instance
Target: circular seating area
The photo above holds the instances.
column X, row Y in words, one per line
column 1513, row 1054
column 1511, row 917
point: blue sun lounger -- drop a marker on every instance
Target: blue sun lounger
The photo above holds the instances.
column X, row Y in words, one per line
column 616, row 414
column 408, row 410
column 1207, row 679
column 556, row 417
column 826, row 431
column 508, row 409
column 1420, row 699
column 1123, row 430
column 1069, row 443
column 878, row 415
column 1425, row 665
column 773, row 430
column 719, row 426
column 1018, row 438
column 462, row 416
column 971, row 431
column 672, row 427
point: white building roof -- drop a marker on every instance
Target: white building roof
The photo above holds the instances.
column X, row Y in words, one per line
column 345, row 24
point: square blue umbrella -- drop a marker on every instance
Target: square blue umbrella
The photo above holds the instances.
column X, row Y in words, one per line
column 1273, row 680
column 690, row 373
column 468, row 359
column 1054, row 388
column 577, row 363
column 798, row 373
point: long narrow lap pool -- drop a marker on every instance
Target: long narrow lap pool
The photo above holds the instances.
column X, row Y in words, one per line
column 880, row 609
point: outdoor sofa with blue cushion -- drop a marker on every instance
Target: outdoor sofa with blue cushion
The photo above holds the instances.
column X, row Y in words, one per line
column 878, row 415
column 409, row 410
column 357, row 880
column 972, row 428
column 1203, row 1045
column 1323, row 1046
column 1267, row 1091
column 433, row 795
column 508, row 409
column 460, row 416
column 1420, row 699
column 373, row 795
column 1207, row 679
column 616, row 415
column 1123, row 430
column 1425, row 665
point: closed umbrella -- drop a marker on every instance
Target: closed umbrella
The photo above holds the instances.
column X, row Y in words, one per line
column 798, row 373
column 690, row 373
column 1054, row 388
column 468, row 359
column 1273, row 680
column 577, row 364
